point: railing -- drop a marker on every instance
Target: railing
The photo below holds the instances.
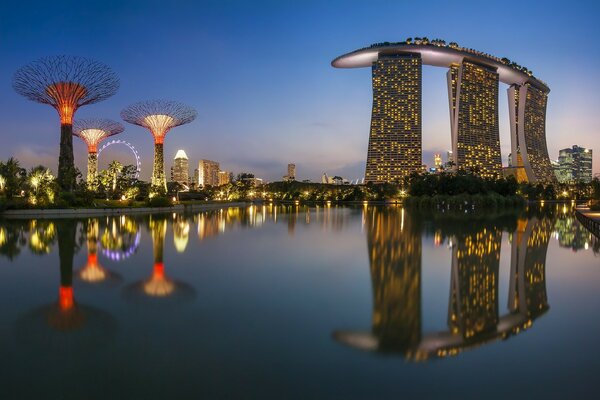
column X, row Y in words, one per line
column 591, row 225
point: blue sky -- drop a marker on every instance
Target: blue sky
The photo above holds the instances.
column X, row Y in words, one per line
column 259, row 74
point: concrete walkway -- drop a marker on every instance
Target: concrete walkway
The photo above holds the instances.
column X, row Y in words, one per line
column 94, row 212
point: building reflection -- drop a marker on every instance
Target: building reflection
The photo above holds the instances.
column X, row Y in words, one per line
column 571, row 234
column 394, row 245
column 217, row 222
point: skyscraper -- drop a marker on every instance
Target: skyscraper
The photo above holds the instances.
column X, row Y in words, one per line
column 473, row 95
column 180, row 168
column 527, row 112
column 291, row 173
column 575, row 165
column 395, row 135
column 473, row 78
column 208, row 173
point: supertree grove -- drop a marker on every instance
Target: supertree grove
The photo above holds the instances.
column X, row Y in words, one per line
column 92, row 132
column 159, row 117
column 66, row 83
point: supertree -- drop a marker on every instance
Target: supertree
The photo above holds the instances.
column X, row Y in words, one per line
column 158, row 116
column 92, row 132
column 66, row 83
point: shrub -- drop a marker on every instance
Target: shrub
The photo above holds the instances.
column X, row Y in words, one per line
column 159, row 201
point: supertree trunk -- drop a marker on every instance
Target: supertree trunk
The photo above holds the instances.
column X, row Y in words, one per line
column 66, row 164
column 92, row 171
column 158, row 173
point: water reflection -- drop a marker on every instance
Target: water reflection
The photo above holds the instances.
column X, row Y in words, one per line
column 65, row 322
column 93, row 272
column 394, row 239
column 395, row 247
column 159, row 286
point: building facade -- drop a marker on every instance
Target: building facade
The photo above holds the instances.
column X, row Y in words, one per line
column 224, row 177
column 575, row 165
column 473, row 83
column 208, row 173
column 395, row 136
column 180, row 169
column 475, row 133
column 529, row 150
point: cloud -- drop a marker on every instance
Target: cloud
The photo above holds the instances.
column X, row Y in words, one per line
column 32, row 156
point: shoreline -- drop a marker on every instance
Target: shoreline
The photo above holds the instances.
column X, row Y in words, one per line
column 95, row 212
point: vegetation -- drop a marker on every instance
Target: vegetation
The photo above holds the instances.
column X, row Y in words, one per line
column 118, row 186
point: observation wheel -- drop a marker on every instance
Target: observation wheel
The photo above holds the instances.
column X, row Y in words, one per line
column 138, row 162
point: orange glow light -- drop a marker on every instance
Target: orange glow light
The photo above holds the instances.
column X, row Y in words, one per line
column 65, row 298
column 67, row 96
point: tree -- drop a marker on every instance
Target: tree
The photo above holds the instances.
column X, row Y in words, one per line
column 14, row 177
column 41, row 186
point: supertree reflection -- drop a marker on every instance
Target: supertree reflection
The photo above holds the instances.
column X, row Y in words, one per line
column 93, row 272
column 159, row 286
column 87, row 327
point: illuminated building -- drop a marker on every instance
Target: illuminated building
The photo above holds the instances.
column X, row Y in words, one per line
column 395, row 136
column 473, row 80
column 180, row 169
column 437, row 161
column 159, row 117
column 473, row 94
column 527, row 112
column 291, row 173
column 66, row 83
column 575, row 165
column 224, row 178
column 92, row 132
column 208, row 173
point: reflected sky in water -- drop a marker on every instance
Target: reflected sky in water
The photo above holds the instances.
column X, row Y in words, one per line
column 297, row 302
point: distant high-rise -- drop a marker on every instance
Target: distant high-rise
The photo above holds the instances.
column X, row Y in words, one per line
column 224, row 177
column 291, row 173
column 575, row 165
column 181, row 168
column 437, row 161
column 208, row 173
column 395, row 136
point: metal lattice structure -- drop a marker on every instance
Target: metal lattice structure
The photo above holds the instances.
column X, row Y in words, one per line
column 92, row 132
column 138, row 159
column 66, row 83
column 159, row 117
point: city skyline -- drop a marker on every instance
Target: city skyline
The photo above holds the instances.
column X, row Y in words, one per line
column 254, row 117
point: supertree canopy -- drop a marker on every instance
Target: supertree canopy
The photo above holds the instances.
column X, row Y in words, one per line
column 66, row 83
column 92, row 132
column 158, row 116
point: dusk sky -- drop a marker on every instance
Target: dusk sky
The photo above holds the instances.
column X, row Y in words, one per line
column 259, row 74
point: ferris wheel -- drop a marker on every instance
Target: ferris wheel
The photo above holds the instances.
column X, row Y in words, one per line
column 138, row 161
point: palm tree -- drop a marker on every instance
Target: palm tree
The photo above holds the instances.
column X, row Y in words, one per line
column 13, row 176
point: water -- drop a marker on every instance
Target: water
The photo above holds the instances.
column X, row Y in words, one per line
column 297, row 302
